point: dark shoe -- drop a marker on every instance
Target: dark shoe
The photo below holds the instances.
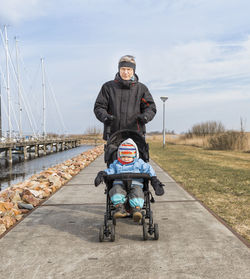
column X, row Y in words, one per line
column 137, row 215
column 120, row 211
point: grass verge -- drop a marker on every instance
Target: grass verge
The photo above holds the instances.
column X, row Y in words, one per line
column 220, row 179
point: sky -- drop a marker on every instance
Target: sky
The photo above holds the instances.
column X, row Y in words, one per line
column 195, row 52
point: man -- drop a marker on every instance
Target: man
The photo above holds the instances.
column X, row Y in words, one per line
column 124, row 103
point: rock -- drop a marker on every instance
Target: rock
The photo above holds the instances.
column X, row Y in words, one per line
column 48, row 191
column 16, row 211
column 35, row 193
column 2, row 228
column 19, row 199
column 24, row 211
column 25, row 192
column 2, row 207
column 35, row 186
column 41, row 177
column 5, row 206
column 31, row 183
column 31, row 199
column 43, row 194
column 64, row 175
column 25, row 206
column 55, row 180
column 40, row 185
column 53, row 188
column 8, row 221
column 16, row 198
column 7, row 195
column 19, row 217
column 64, row 167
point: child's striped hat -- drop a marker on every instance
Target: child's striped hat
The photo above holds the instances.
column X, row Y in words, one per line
column 128, row 148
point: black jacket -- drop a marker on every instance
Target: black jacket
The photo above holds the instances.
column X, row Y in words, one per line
column 125, row 100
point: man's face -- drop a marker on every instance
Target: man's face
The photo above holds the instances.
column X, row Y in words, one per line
column 126, row 73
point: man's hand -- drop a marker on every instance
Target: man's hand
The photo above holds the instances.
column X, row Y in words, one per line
column 100, row 177
column 109, row 118
column 157, row 185
column 142, row 118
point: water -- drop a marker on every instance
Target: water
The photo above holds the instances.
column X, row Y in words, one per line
column 22, row 170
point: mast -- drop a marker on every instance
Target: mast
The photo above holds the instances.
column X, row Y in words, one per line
column 43, row 87
column 7, row 79
column 19, row 91
column 1, row 132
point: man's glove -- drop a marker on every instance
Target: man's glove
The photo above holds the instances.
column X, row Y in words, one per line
column 109, row 118
column 157, row 185
column 100, row 177
column 142, row 118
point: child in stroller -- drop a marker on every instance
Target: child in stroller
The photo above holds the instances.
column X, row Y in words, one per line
column 127, row 186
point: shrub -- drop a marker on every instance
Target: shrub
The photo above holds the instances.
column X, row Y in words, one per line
column 207, row 128
column 231, row 140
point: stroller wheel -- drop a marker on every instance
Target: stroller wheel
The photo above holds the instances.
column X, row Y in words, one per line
column 156, row 231
column 145, row 231
column 101, row 233
column 112, row 232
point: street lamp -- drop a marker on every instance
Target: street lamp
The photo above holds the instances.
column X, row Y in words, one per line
column 164, row 99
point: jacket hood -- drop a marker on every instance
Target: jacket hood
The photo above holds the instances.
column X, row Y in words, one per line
column 129, row 148
column 126, row 83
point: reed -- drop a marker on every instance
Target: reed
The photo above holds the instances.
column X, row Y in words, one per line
column 237, row 141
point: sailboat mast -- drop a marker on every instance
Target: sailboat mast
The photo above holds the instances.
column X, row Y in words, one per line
column 7, row 79
column 43, row 87
column 1, row 132
column 19, row 90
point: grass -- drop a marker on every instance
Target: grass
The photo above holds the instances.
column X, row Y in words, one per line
column 220, row 179
column 197, row 141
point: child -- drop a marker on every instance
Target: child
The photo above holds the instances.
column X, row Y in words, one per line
column 128, row 161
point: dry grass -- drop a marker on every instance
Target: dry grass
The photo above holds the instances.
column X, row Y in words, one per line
column 181, row 139
column 220, row 179
column 92, row 139
column 194, row 141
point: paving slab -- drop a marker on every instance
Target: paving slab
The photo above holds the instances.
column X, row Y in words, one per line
column 60, row 239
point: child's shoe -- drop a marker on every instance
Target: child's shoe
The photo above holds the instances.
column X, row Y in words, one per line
column 120, row 211
column 137, row 215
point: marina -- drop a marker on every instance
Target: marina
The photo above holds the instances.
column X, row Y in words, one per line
column 34, row 146
column 20, row 169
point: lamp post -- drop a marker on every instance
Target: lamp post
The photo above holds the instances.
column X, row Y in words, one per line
column 164, row 99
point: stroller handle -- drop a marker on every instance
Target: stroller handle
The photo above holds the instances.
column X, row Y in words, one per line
column 127, row 176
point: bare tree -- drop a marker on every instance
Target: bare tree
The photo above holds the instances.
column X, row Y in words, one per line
column 93, row 130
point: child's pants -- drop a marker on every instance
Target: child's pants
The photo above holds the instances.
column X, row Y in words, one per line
column 118, row 193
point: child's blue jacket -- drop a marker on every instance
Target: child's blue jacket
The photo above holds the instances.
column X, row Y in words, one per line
column 137, row 166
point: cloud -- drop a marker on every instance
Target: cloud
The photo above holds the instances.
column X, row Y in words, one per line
column 198, row 62
column 15, row 11
column 196, row 52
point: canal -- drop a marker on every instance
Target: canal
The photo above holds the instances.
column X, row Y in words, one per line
column 21, row 170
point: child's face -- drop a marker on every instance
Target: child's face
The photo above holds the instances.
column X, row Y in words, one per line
column 127, row 159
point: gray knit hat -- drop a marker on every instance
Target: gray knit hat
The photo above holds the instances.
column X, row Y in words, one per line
column 127, row 61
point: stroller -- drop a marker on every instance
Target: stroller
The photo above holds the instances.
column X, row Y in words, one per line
column 110, row 154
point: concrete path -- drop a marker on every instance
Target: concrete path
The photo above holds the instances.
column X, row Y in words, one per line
column 60, row 239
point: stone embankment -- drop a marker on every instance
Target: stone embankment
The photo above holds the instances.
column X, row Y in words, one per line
column 19, row 199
